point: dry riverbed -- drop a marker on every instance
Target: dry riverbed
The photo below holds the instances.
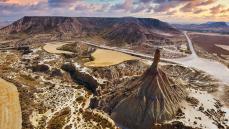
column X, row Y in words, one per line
column 53, row 46
column 104, row 58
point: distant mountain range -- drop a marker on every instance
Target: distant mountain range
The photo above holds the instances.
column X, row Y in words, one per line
column 215, row 24
column 218, row 27
column 126, row 29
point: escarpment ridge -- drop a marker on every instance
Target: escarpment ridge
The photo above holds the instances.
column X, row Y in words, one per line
column 118, row 30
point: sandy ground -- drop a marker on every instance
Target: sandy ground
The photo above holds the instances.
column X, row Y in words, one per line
column 52, row 48
column 107, row 58
column 10, row 110
column 225, row 47
column 209, row 43
column 214, row 68
column 193, row 112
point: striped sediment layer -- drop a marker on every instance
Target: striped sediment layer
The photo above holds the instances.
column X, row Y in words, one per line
column 155, row 100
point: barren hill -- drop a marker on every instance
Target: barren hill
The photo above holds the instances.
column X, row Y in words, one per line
column 126, row 29
column 151, row 98
column 156, row 99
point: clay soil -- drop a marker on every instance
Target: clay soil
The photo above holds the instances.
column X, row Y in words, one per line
column 107, row 58
column 210, row 43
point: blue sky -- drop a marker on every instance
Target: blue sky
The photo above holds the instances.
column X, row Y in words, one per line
column 182, row 11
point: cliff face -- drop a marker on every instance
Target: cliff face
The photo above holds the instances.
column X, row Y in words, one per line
column 129, row 30
column 81, row 77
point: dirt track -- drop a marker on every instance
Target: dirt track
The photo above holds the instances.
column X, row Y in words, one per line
column 10, row 110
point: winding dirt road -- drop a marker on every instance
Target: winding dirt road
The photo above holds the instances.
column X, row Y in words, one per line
column 10, row 110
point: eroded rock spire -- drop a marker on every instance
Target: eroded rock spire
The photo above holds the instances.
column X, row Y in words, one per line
column 154, row 65
column 155, row 99
column 156, row 57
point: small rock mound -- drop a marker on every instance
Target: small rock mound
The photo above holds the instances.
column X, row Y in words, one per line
column 155, row 99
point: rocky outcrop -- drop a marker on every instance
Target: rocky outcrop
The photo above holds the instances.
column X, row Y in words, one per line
column 81, row 77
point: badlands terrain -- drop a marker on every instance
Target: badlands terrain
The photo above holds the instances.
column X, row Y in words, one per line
column 110, row 73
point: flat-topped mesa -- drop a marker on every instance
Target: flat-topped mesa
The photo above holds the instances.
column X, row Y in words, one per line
column 155, row 100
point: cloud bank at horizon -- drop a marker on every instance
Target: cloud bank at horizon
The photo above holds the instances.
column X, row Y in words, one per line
column 169, row 10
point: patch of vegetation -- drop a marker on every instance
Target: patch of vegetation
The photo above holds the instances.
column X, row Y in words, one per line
column 42, row 122
column 40, row 68
column 80, row 99
column 27, row 80
column 81, row 50
column 27, row 104
column 59, row 119
column 103, row 122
